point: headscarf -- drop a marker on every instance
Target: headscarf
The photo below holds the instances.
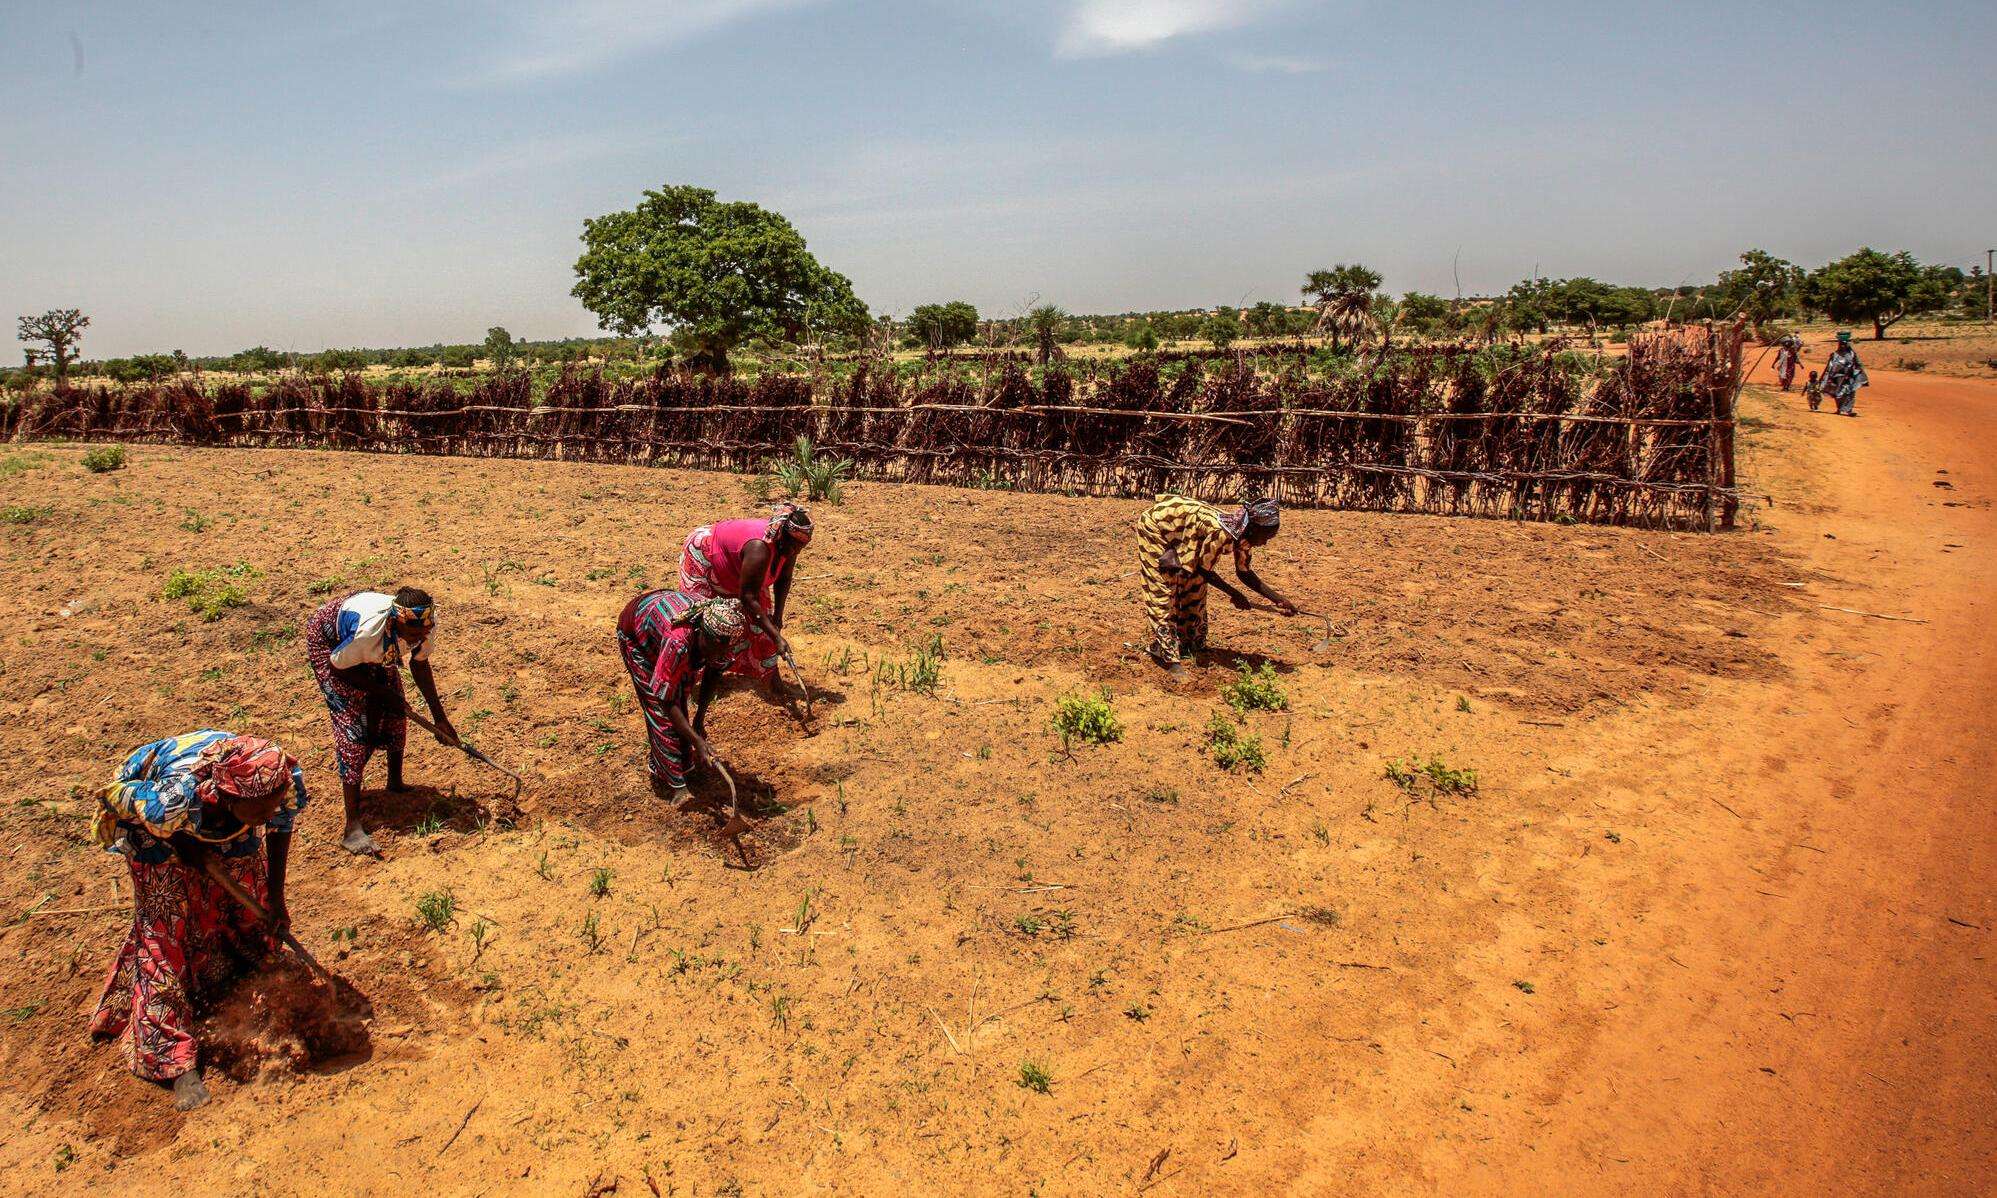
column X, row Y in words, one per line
column 719, row 618
column 422, row 613
column 792, row 521
column 1844, row 338
column 1258, row 513
column 246, row 767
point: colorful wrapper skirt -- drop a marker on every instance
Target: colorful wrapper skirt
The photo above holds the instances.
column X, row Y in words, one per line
column 362, row 723
column 188, row 939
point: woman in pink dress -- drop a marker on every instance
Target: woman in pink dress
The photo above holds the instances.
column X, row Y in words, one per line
column 751, row 561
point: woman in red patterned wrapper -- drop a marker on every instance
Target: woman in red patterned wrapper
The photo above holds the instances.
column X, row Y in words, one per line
column 176, row 804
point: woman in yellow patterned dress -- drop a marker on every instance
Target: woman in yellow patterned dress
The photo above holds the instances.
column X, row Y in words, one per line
column 1179, row 543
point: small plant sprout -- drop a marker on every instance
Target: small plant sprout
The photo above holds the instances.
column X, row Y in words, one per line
column 1087, row 718
column 481, row 931
column 1414, row 776
column 1462, row 704
column 1231, row 749
column 541, row 867
column 801, row 918
column 1256, row 690
column 592, row 932
column 1034, row 1077
column 599, row 881
column 1137, row 1012
column 780, row 1009
column 438, row 908
column 1524, row 987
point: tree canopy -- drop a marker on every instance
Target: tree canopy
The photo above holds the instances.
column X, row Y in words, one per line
column 1868, row 285
column 717, row 274
column 59, row 329
column 940, row 326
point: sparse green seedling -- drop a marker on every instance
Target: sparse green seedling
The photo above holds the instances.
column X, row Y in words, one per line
column 1256, row 690
column 1462, row 704
column 1231, row 749
column 22, row 514
column 1029, row 925
column 1087, row 718
column 599, row 881
column 1033, row 1077
column 805, row 472
column 592, row 932
column 541, row 867
column 438, row 908
column 1613, row 837
column 1524, row 986
column 324, row 586
column 1414, row 776
column 195, row 521
column 1137, row 1012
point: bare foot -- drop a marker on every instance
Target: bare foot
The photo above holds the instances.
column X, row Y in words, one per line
column 682, row 798
column 359, row 843
column 397, row 786
column 189, row 1091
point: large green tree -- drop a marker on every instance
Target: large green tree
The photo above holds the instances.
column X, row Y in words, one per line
column 940, row 326
column 1762, row 289
column 716, row 274
column 1869, row 285
column 500, row 347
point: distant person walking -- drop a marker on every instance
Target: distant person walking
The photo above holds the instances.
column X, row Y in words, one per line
column 1788, row 356
column 1843, row 376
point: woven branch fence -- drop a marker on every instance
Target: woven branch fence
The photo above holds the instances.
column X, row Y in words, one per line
column 1645, row 439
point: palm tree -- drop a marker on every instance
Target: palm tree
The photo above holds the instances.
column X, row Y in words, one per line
column 1045, row 321
column 1344, row 299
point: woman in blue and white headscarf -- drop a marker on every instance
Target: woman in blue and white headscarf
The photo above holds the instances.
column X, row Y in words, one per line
column 1843, row 376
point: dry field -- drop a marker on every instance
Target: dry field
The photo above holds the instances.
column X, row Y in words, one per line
column 1715, row 917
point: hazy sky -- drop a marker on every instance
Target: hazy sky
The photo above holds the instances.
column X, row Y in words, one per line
column 209, row 176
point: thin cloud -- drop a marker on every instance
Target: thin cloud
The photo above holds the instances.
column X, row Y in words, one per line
column 1276, row 64
column 533, row 157
column 552, row 38
column 1100, row 27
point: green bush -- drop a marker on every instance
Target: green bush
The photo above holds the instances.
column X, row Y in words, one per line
column 804, row 472
column 21, row 514
column 1087, row 718
column 104, row 459
column 1230, row 748
column 1256, row 690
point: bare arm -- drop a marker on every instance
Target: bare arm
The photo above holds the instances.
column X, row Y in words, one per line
column 1246, row 571
column 426, row 683
column 755, row 567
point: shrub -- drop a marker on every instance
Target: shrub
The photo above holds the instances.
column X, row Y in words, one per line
column 1230, row 748
column 104, row 459
column 1087, row 718
column 1256, row 690
column 21, row 514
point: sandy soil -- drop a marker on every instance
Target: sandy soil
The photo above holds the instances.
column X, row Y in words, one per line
column 1716, row 919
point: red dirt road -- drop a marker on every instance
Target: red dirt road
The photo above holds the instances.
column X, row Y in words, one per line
column 1806, row 1004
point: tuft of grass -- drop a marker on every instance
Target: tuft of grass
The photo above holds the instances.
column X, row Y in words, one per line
column 104, row 458
column 438, row 908
column 194, row 521
column 1034, row 1077
column 1230, row 748
column 1524, row 986
column 324, row 586
column 1087, row 718
column 24, row 514
column 1137, row 1012
column 921, row 674
column 599, row 881
column 592, row 932
column 1256, row 690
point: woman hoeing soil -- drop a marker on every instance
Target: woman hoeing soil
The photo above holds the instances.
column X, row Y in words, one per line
column 1179, row 542
column 669, row 644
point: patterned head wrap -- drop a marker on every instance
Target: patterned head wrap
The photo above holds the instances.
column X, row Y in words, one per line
column 792, row 521
column 247, row 767
column 720, row 618
column 1258, row 513
column 420, row 613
